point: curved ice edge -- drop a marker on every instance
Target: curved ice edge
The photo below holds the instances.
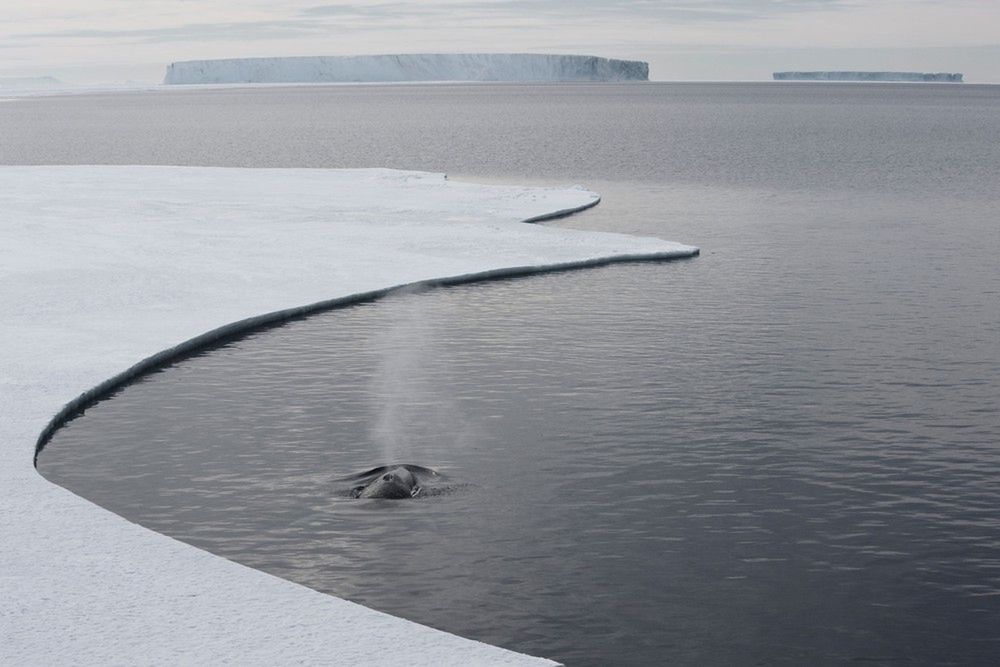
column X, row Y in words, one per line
column 565, row 212
column 247, row 325
column 241, row 327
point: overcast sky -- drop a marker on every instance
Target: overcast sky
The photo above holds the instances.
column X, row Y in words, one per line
column 118, row 40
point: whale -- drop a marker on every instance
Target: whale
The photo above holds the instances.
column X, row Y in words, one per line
column 391, row 482
column 394, row 484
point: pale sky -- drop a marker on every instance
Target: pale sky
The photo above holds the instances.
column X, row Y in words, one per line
column 119, row 40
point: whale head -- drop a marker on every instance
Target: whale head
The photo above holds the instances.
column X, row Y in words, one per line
column 394, row 483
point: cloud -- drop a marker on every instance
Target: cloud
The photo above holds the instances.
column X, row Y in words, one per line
column 234, row 31
column 289, row 19
column 689, row 10
column 353, row 9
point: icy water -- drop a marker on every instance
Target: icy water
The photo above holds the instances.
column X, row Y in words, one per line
column 786, row 450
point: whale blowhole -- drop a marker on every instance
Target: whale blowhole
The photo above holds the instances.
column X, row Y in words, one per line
column 393, row 482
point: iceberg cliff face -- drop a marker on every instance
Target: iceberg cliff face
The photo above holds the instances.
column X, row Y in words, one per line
column 940, row 77
column 410, row 67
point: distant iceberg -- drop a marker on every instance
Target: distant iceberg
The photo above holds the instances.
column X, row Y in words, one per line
column 31, row 83
column 409, row 67
column 934, row 77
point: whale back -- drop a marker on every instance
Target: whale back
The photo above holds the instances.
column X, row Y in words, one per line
column 368, row 474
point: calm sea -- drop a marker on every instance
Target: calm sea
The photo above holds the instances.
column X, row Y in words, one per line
column 786, row 450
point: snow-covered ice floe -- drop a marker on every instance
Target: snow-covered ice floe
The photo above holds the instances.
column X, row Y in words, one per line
column 408, row 67
column 103, row 267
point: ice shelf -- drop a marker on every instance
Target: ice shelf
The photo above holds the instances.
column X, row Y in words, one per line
column 408, row 67
column 104, row 267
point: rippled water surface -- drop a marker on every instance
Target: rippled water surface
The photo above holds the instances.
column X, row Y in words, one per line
column 786, row 450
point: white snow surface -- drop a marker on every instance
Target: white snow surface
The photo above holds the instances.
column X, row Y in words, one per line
column 101, row 267
column 408, row 67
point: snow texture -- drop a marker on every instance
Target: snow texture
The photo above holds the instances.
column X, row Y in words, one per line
column 103, row 267
column 408, row 67
column 937, row 77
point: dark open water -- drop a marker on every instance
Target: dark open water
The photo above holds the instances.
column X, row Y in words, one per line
column 784, row 451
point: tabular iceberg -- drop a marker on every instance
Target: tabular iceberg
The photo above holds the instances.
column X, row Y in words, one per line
column 29, row 82
column 407, row 67
column 938, row 77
